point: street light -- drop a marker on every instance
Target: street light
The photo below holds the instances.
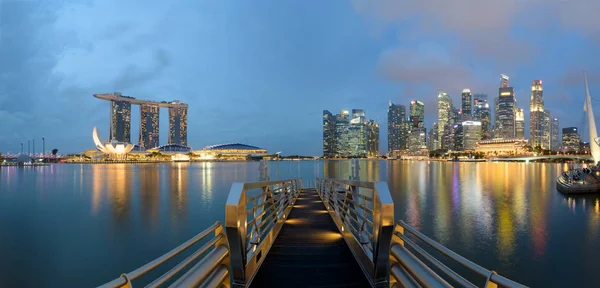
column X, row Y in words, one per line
column 43, row 146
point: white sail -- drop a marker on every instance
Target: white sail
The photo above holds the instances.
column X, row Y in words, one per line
column 594, row 146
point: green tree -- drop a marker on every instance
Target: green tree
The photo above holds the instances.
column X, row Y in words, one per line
column 54, row 151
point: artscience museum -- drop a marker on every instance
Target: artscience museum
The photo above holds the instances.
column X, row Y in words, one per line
column 114, row 150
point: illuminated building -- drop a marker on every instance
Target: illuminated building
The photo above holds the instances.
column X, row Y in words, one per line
column 417, row 140
column 417, row 113
column 519, row 124
column 397, row 128
column 328, row 134
column 351, row 137
column 120, row 117
column 502, row 147
column 358, row 116
column 357, row 141
column 547, row 144
column 482, row 113
column 554, row 134
column 471, row 134
column 503, row 81
column 373, row 139
column 467, row 105
column 233, row 151
column 571, row 140
column 417, row 135
column 120, row 121
column 149, row 126
column 537, row 118
column 432, row 139
column 505, row 116
column 178, row 125
column 178, row 152
column 444, row 115
column 455, row 137
column 114, row 150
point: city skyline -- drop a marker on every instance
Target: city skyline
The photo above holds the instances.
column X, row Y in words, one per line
column 266, row 72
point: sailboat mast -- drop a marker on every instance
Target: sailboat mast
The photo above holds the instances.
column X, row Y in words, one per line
column 594, row 147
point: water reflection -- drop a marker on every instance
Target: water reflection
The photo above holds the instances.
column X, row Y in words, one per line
column 504, row 216
column 149, row 181
column 178, row 177
column 504, row 209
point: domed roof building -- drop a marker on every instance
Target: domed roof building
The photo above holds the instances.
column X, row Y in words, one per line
column 230, row 151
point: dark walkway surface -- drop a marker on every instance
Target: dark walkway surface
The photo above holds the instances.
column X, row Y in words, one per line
column 310, row 251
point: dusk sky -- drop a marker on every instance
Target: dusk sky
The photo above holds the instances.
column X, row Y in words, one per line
column 261, row 72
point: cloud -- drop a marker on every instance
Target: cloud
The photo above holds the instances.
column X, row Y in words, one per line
column 135, row 74
column 429, row 64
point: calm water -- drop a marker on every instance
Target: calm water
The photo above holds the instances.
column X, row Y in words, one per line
column 86, row 224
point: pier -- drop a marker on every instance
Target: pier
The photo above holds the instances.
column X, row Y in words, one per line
column 289, row 233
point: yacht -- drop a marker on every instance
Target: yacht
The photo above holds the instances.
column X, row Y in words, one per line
column 584, row 180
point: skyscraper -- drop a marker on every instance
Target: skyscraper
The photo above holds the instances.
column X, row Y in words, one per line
column 547, row 129
column 417, row 113
column 506, row 110
column 554, row 135
column 471, row 134
column 417, row 139
column 373, row 139
column 536, row 115
column 120, row 121
column 433, row 142
column 444, row 115
column 358, row 116
column 571, row 139
column 328, row 134
column 345, row 137
column 342, row 134
column 178, row 125
column 467, row 105
column 397, row 126
column 482, row 113
column 519, row 124
column 504, row 81
column 149, row 126
column 417, row 133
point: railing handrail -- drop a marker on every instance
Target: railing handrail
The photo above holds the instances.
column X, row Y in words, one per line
column 491, row 276
column 219, row 242
column 250, row 241
column 370, row 248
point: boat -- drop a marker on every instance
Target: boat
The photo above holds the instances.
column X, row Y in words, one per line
column 584, row 180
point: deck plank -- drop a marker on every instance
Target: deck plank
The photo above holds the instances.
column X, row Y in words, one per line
column 309, row 251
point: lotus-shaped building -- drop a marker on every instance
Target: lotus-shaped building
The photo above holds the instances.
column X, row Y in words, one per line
column 113, row 149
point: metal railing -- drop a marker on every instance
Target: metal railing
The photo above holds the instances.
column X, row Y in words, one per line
column 211, row 268
column 408, row 270
column 254, row 215
column 364, row 214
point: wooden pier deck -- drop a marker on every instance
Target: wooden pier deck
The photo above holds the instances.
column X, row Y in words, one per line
column 310, row 251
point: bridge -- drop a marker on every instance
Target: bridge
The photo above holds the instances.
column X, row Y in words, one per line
column 337, row 233
column 545, row 157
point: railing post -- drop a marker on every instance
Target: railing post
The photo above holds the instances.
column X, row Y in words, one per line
column 223, row 241
column 235, row 227
column 383, row 229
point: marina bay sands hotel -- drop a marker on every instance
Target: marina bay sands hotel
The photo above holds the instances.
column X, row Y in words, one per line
column 120, row 120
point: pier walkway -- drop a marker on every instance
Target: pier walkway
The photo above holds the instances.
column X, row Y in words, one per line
column 310, row 245
column 334, row 233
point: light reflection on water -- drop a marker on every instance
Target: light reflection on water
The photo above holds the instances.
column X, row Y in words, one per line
column 102, row 220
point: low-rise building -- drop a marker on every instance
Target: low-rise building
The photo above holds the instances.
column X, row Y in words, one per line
column 503, row 147
column 233, row 151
